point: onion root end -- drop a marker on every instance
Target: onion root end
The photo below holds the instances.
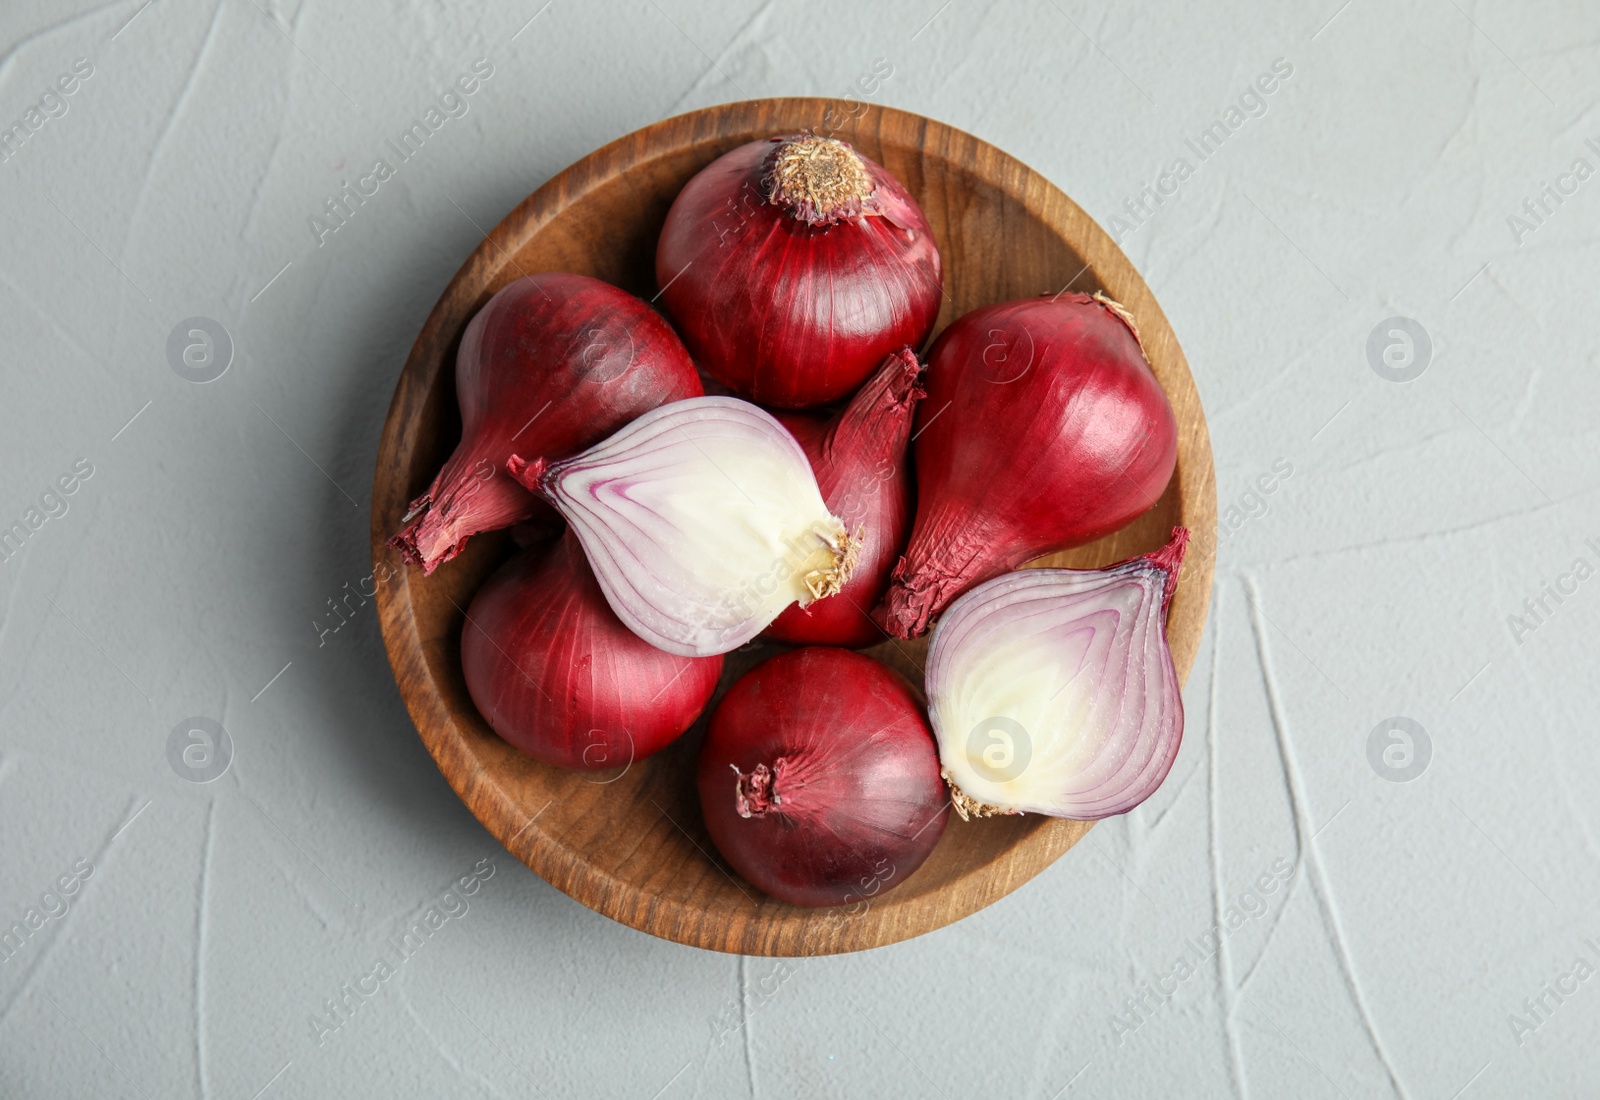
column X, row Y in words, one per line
column 969, row 807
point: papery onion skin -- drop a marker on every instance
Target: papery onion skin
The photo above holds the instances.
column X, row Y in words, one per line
column 1053, row 691
column 787, row 304
column 556, row 674
column 1044, row 428
column 550, row 364
column 702, row 520
column 819, row 780
column 863, row 469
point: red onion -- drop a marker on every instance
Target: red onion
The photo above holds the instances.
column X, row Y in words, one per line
column 1043, row 428
column 859, row 457
column 556, row 674
column 819, row 780
column 702, row 520
column 1052, row 691
column 793, row 266
column 552, row 363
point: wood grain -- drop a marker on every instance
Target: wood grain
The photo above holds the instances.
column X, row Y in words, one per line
column 631, row 844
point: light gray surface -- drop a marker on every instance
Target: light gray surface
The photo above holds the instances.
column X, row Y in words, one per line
column 196, row 561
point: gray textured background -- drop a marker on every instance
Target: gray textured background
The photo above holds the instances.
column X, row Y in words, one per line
column 206, row 923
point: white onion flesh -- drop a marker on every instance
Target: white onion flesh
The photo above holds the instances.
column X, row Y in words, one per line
column 703, row 521
column 1052, row 691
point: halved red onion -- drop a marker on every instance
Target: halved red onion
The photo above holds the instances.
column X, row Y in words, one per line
column 1052, row 691
column 702, row 520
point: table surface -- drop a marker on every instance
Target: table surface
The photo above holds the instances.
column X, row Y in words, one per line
column 1373, row 869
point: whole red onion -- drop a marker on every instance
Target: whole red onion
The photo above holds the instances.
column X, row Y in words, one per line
column 859, row 457
column 554, row 672
column 1043, row 428
column 792, row 266
column 551, row 364
column 819, row 779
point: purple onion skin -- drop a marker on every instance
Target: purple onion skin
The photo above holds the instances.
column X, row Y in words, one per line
column 1044, row 428
column 863, row 468
column 856, row 803
column 752, row 287
column 557, row 675
column 552, row 363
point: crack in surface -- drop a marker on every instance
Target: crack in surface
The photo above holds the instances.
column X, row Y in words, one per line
column 201, row 923
column 1231, row 1044
column 49, row 319
column 745, row 35
column 166, row 127
column 437, row 1043
column 1272, row 929
column 1424, row 536
column 63, row 927
column 744, row 1026
column 10, row 56
column 1306, row 855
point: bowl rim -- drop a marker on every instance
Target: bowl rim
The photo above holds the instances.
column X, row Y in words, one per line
column 663, row 915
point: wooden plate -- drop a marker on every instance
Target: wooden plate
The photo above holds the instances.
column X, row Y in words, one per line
column 632, row 845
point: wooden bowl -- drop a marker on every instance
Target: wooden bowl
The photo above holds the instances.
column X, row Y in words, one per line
column 632, row 845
